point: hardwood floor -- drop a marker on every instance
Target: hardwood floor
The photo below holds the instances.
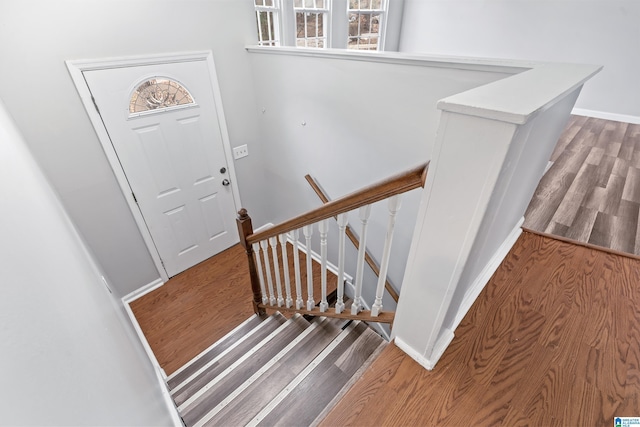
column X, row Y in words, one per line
column 202, row 304
column 591, row 194
column 553, row 339
column 195, row 308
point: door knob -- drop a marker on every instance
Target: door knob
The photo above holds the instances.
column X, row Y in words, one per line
column 225, row 182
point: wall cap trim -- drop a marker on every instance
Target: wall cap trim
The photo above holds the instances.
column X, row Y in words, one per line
column 440, row 61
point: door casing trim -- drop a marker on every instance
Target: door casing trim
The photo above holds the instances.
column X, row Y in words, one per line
column 77, row 67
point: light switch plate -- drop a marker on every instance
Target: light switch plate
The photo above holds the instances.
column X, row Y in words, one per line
column 240, row 151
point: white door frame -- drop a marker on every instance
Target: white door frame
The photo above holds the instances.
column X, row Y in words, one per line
column 76, row 68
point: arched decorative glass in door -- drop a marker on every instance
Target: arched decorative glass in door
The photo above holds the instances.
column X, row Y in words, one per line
column 158, row 94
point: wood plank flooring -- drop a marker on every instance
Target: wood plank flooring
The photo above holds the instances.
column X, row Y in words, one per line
column 196, row 308
column 553, row 339
column 591, row 194
column 199, row 306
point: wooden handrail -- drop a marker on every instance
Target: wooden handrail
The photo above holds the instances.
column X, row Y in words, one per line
column 397, row 184
column 354, row 239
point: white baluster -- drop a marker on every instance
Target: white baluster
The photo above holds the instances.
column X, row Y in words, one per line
column 365, row 211
column 273, row 242
column 323, row 227
column 342, row 225
column 307, row 230
column 394, row 206
column 256, row 251
column 267, row 267
column 295, row 234
column 285, row 266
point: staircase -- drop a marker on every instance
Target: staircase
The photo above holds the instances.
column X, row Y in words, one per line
column 274, row 371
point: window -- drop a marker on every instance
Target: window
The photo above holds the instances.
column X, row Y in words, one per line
column 158, row 94
column 311, row 22
column 365, row 24
column 267, row 14
column 352, row 24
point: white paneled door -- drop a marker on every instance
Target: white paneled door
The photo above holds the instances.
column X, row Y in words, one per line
column 164, row 125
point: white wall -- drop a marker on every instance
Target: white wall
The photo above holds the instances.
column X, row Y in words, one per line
column 68, row 357
column 39, row 35
column 603, row 32
column 363, row 121
column 492, row 147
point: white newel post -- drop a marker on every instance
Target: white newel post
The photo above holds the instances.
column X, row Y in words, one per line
column 394, row 207
column 285, row 267
column 364, row 213
column 323, row 227
column 273, row 241
column 256, row 251
column 307, row 230
column 267, row 270
column 342, row 227
column 295, row 235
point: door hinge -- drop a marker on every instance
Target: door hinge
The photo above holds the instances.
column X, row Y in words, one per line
column 95, row 104
column 134, row 197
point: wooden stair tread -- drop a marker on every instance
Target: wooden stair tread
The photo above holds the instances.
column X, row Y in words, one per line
column 212, row 352
column 187, row 390
column 246, row 405
column 327, row 380
column 210, row 398
column 281, row 370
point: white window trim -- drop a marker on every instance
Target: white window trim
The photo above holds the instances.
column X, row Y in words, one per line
column 327, row 11
column 276, row 11
column 382, row 29
column 337, row 26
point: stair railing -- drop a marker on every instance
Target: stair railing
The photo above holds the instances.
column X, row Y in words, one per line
column 368, row 258
column 267, row 284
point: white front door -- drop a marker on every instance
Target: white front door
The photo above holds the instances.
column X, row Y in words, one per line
column 168, row 140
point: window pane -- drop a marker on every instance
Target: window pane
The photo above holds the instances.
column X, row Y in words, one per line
column 354, row 24
column 365, row 4
column 318, row 23
column 300, row 25
column 310, row 25
column 158, row 93
column 375, row 24
column 310, row 31
column 268, row 3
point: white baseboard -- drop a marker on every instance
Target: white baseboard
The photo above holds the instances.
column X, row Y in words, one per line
column 142, row 291
column 485, row 275
column 160, row 374
column 176, row 419
column 606, row 116
column 428, row 364
column 143, row 339
column 447, row 334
